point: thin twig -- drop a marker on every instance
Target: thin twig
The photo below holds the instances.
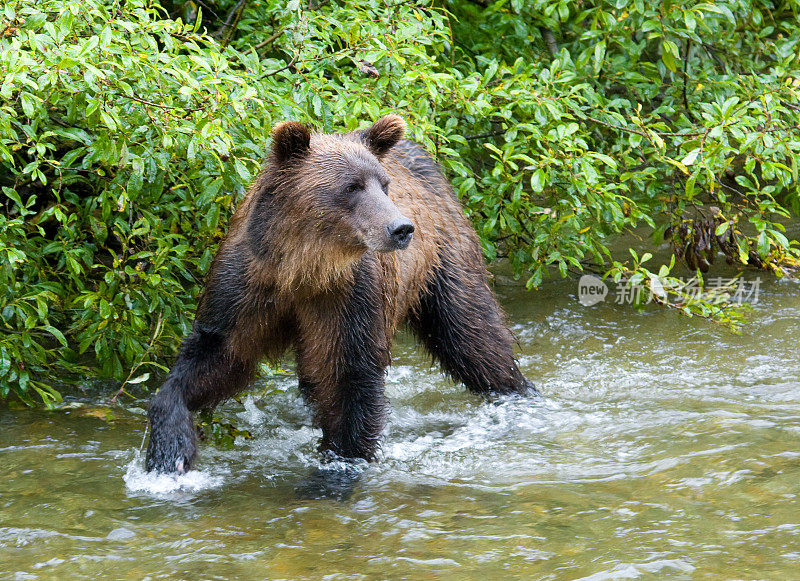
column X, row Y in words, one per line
column 229, row 19
column 710, row 50
column 156, row 335
column 283, row 68
column 238, row 9
column 686, row 79
column 208, row 8
column 270, row 39
column 628, row 129
column 483, row 135
column 170, row 107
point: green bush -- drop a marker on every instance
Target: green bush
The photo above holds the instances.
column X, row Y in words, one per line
column 129, row 130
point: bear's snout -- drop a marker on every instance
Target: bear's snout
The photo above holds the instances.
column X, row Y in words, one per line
column 400, row 233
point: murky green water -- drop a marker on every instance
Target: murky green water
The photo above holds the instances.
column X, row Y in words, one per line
column 664, row 448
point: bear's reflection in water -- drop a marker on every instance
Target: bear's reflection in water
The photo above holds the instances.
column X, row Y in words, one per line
column 334, row 480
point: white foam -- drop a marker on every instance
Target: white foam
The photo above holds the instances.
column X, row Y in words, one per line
column 251, row 414
column 137, row 480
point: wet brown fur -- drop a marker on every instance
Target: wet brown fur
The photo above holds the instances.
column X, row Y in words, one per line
column 299, row 268
column 308, row 276
column 303, row 265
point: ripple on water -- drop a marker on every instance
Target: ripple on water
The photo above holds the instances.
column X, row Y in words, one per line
column 663, row 447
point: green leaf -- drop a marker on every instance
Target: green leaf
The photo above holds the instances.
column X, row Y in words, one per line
column 689, row 188
column 57, row 334
column 763, row 245
column 11, row 193
column 599, row 55
column 605, row 159
column 242, row 170
column 689, row 20
column 669, row 54
column 29, row 104
column 691, row 157
column 140, row 379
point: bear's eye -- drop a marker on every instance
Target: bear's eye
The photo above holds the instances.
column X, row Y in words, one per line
column 351, row 189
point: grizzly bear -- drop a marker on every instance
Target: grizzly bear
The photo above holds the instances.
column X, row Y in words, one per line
column 341, row 239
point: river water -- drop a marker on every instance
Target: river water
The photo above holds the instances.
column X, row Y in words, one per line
column 663, row 447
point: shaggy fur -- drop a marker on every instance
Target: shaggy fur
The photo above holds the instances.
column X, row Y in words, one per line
column 307, row 265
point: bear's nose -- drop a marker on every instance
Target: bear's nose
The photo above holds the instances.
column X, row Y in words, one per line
column 400, row 232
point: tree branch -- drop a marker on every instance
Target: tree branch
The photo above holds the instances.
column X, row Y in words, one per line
column 483, row 135
column 159, row 105
column 231, row 22
column 686, row 79
column 550, row 41
column 270, row 39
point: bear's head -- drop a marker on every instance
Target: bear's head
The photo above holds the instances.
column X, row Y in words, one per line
column 335, row 188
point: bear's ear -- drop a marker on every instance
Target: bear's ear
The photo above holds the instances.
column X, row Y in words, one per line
column 290, row 140
column 384, row 134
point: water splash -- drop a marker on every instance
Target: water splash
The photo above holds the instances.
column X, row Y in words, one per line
column 138, row 480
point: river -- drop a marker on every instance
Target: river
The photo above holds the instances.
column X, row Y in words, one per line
column 663, row 446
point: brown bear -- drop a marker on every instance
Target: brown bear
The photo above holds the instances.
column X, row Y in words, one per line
column 341, row 239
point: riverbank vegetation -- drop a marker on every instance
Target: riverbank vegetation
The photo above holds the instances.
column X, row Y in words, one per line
column 130, row 129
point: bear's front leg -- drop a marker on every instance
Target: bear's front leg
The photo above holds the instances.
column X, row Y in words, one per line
column 204, row 374
column 173, row 442
column 352, row 415
column 343, row 353
column 461, row 324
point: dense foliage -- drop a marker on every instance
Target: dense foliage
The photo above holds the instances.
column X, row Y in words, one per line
column 129, row 130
